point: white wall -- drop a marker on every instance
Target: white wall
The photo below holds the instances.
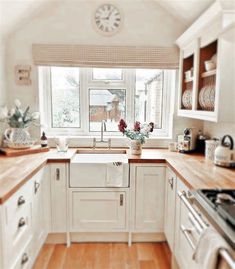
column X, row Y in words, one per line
column 2, row 74
column 145, row 23
column 3, row 98
column 218, row 130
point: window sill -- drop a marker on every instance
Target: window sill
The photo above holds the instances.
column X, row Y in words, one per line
column 87, row 141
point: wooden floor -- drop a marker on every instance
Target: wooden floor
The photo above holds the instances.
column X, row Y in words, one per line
column 104, row 256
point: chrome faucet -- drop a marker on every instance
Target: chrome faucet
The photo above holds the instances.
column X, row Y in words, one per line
column 102, row 130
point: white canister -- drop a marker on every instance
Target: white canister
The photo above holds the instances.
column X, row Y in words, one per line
column 211, row 145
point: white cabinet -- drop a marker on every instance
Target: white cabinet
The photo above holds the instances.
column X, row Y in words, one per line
column 98, row 210
column 208, row 94
column 149, row 185
column 22, row 224
column 59, row 176
column 38, row 210
column 170, row 196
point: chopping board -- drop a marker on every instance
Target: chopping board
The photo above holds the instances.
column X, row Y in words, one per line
column 18, row 152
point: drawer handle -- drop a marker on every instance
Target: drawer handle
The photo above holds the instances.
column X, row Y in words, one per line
column 24, row 259
column 21, row 223
column 187, row 232
column 121, row 199
column 171, row 182
column 57, row 173
column 21, row 201
column 36, row 187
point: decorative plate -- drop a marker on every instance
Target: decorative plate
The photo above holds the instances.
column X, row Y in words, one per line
column 187, row 99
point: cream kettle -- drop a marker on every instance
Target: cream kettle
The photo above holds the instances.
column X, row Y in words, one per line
column 224, row 152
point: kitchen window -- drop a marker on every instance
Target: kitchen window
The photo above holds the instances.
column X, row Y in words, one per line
column 75, row 100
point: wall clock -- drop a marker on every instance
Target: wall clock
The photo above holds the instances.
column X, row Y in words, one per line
column 108, row 19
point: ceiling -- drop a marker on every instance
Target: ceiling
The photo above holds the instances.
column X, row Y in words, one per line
column 14, row 13
column 185, row 10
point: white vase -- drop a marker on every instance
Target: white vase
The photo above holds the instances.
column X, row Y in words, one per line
column 136, row 147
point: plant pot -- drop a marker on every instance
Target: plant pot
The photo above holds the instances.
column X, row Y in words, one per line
column 135, row 147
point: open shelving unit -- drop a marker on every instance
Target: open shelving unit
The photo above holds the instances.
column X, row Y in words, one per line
column 213, row 91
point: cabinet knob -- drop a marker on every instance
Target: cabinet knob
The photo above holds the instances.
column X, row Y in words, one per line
column 24, row 259
column 57, row 173
column 21, row 223
column 36, row 186
column 21, row 201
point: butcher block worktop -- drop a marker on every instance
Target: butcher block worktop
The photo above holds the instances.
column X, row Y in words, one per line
column 194, row 170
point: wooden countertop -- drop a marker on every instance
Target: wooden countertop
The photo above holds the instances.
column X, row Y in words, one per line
column 195, row 171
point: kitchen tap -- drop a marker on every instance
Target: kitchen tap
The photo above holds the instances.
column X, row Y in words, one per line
column 102, row 130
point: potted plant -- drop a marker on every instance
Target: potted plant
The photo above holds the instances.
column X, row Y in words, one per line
column 137, row 134
column 18, row 120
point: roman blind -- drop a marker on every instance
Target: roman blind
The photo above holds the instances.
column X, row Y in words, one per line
column 105, row 56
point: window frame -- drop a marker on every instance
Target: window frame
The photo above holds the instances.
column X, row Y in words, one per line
column 87, row 83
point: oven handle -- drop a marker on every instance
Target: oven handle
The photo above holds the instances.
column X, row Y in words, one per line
column 224, row 253
column 227, row 257
column 187, row 232
column 183, row 197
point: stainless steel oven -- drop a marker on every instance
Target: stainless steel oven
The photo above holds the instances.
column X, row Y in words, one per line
column 196, row 225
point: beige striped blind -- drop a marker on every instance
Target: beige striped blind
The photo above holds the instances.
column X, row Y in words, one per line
column 105, row 56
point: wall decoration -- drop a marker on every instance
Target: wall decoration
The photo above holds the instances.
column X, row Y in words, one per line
column 108, row 19
column 22, row 74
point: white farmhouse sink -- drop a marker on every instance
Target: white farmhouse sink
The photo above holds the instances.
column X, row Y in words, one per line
column 99, row 169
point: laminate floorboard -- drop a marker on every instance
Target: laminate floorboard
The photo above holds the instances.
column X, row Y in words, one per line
column 104, row 256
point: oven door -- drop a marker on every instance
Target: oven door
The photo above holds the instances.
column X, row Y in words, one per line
column 188, row 234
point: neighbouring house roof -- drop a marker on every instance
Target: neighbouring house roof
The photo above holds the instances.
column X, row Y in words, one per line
column 101, row 97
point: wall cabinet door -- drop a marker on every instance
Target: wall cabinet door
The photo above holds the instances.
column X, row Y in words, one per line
column 98, row 210
column 170, row 207
column 149, row 204
column 58, row 197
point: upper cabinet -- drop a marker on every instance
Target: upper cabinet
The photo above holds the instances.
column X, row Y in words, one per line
column 207, row 66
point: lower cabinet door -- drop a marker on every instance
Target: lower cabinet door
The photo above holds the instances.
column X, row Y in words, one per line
column 59, row 175
column 170, row 193
column 96, row 211
column 150, row 192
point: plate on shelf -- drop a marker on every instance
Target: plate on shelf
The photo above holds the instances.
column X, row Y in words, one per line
column 187, row 99
column 201, row 97
column 212, row 98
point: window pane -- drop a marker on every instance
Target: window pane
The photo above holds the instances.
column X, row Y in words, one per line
column 148, row 96
column 108, row 105
column 65, row 97
column 107, row 74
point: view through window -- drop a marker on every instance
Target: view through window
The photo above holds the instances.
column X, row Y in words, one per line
column 80, row 98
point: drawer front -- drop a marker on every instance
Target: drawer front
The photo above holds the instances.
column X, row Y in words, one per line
column 25, row 259
column 18, row 232
column 18, row 202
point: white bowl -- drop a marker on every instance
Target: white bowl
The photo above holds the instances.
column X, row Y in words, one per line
column 210, row 65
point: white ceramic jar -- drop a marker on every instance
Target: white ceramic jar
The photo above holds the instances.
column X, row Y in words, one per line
column 211, row 145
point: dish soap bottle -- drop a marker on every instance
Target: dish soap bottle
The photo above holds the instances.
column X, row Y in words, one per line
column 43, row 140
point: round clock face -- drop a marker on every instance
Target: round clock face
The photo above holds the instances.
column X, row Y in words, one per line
column 108, row 19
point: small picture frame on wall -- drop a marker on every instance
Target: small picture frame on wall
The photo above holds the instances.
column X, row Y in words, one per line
column 22, row 74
